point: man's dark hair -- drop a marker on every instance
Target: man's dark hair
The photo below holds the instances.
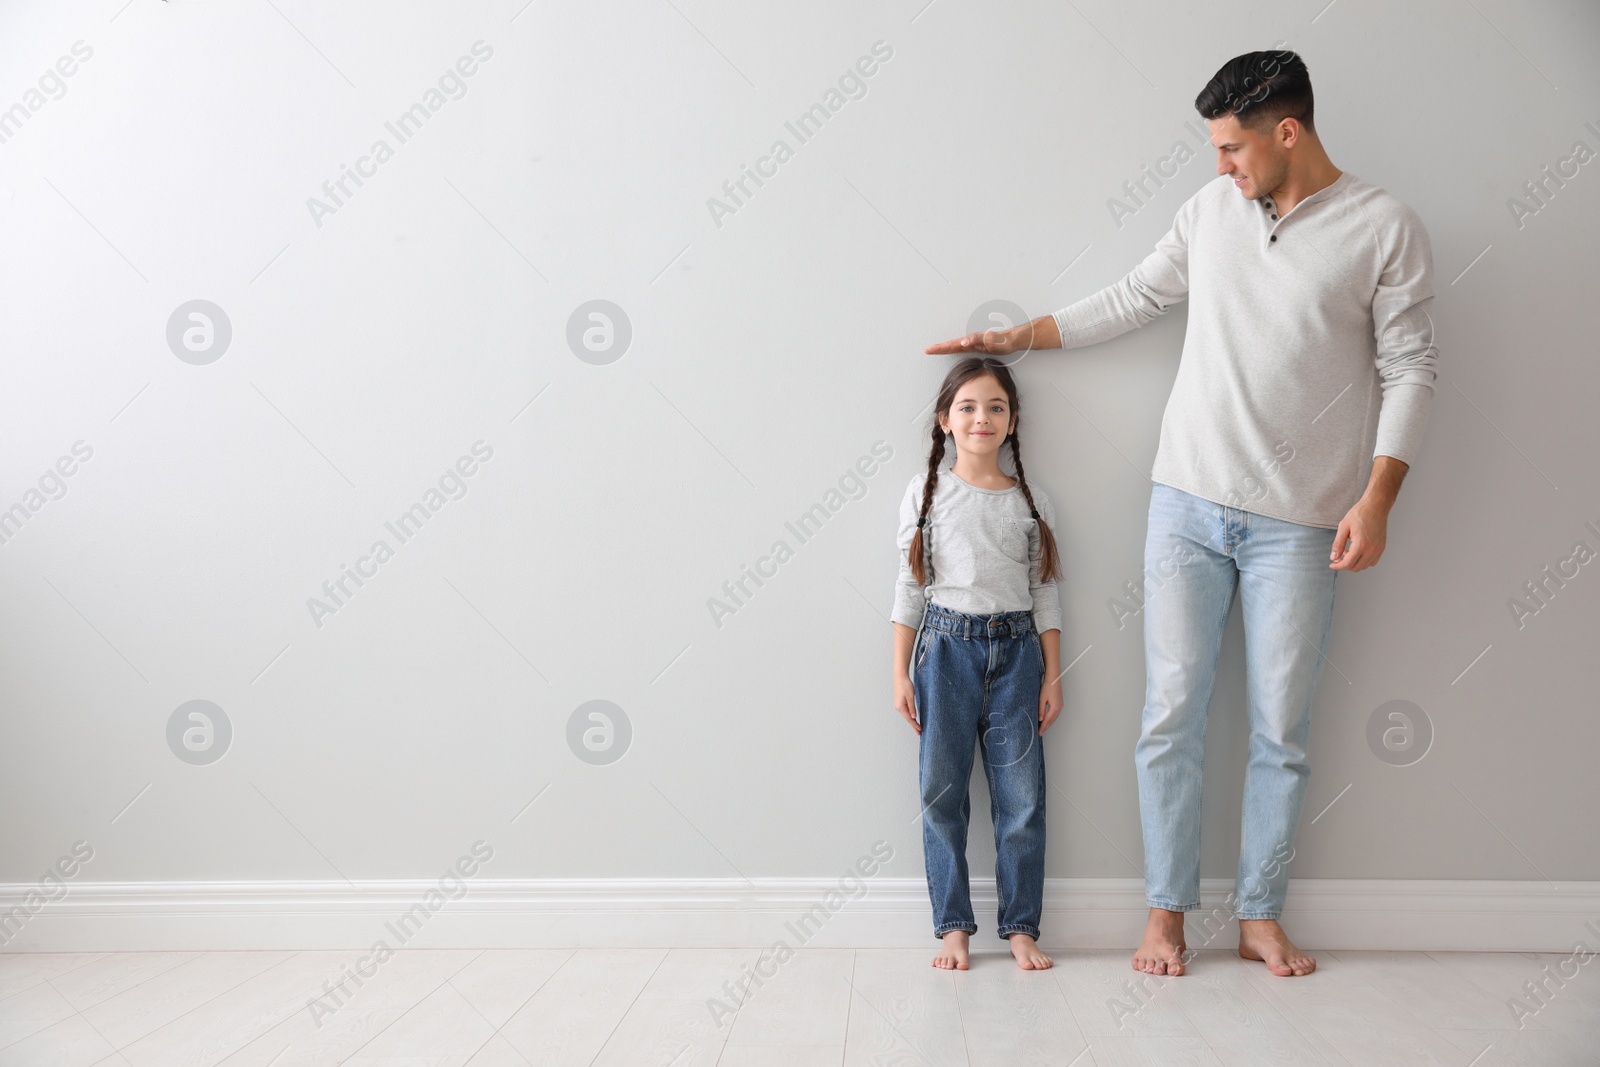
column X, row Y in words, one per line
column 1260, row 89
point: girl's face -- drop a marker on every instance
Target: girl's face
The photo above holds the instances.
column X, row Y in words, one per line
column 980, row 416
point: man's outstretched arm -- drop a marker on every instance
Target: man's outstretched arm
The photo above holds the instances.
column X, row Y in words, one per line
column 1140, row 297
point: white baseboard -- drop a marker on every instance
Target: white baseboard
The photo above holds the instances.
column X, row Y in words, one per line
column 1086, row 913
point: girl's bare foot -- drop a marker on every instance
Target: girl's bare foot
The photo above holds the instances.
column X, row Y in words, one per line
column 1161, row 951
column 953, row 957
column 1265, row 941
column 1026, row 950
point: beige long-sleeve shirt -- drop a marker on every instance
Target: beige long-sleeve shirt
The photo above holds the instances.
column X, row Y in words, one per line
column 1309, row 348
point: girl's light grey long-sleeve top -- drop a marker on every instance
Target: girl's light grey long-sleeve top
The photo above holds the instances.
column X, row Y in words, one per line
column 986, row 552
column 1309, row 348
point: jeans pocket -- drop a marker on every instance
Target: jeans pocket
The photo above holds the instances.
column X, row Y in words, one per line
column 926, row 637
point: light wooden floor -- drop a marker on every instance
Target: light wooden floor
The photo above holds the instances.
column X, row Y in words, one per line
column 648, row 1008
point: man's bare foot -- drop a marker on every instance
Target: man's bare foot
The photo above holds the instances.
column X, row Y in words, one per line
column 1026, row 950
column 953, row 957
column 1161, row 951
column 1265, row 941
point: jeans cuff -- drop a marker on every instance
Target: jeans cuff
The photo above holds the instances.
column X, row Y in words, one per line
column 1019, row 928
column 1268, row 915
column 944, row 928
column 1167, row 905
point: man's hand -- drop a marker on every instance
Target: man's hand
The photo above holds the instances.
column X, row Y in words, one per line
column 994, row 342
column 1365, row 527
column 1040, row 333
column 1359, row 542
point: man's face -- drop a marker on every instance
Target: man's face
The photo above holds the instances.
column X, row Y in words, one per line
column 1256, row 162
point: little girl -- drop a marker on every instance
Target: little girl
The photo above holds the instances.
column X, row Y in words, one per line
column 978, row 630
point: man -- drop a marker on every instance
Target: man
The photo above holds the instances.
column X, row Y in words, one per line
column 1309, row 348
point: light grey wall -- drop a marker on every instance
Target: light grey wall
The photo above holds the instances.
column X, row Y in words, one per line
column 771, row 350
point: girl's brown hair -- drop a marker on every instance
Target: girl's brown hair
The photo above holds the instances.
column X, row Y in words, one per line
column 962, row 373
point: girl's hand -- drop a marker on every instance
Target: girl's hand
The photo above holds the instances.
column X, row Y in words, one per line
column 905, row 703
column 1049, row 704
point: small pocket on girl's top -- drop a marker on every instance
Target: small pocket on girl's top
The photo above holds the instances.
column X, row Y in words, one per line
column 1014, row 539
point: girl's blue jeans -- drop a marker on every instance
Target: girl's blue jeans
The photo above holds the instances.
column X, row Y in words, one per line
column 1198, row 554
column 976, row 679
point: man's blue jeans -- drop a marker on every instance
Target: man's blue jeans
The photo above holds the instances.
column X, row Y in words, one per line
column 976, row 679
column 1197, row 554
